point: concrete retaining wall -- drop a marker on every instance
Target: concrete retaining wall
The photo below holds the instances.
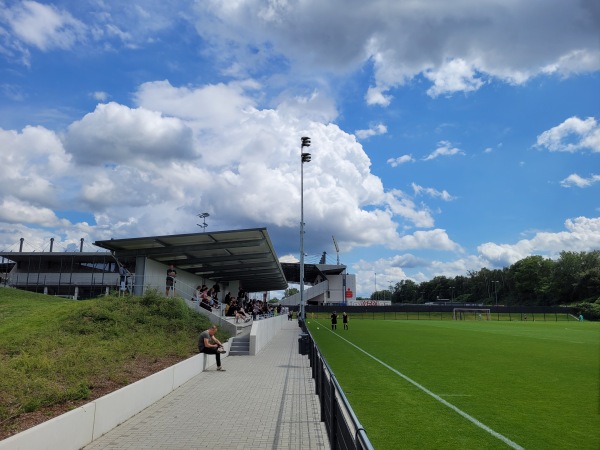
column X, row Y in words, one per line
column 79, row 427
column 263, row 331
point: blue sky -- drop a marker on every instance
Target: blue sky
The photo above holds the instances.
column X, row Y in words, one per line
column 446, row 136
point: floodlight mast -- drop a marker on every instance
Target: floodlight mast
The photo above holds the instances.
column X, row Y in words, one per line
column 337, row 250
column 203, row 225
column 304, row 157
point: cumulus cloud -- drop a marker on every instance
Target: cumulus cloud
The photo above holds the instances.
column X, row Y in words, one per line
column 150, row 169
column 395, row 162
column 116, row 134
column 444, row 148
column 453, row 76
column 31, row 164
column 374, row 130
column 573, row 135
column 580, row 234
column 433, row 239
column 578, row 181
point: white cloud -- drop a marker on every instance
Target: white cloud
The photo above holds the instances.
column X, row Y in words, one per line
column 571, row 136
column 453, row 76
column 455, row 45
column 444, row 195
column 444, row 149
column 14, row 211
column 144, row 171
column 374, row 130
column 32, row 163
column 575, row 180
column 101, row 96
column 44, row 26
column 116, row 134
column 375, row 96
column 395, row 162
column 430, row 239
column 581, row 234
column 316, row 106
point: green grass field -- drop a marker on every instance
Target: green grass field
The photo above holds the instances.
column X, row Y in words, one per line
column 534, row 385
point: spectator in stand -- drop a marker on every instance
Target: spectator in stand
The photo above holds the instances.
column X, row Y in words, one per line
column 231, row 307
column 210, row 345
column 124, row 276
column 237, row 311
column 205, row 299
column 170, row 283
column 214, row 302
column 197, row 294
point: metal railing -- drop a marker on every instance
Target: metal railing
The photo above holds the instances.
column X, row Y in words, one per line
column 343, row 428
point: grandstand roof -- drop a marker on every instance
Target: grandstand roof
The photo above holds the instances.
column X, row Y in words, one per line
column 223, row 256
column 311, row 271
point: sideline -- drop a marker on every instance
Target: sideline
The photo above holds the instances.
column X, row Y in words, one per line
column 471, row 419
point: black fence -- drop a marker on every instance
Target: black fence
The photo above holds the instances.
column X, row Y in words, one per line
column 343, row 428
column 403, row 311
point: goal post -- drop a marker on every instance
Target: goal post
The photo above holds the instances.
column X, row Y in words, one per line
column 471, row 314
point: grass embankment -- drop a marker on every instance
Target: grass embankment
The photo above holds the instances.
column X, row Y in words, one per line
column 56, row 354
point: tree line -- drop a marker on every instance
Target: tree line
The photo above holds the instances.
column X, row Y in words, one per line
column 533, row 281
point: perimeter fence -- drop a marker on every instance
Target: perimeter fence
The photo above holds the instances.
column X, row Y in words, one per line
column 445, row 312
column 343, row 428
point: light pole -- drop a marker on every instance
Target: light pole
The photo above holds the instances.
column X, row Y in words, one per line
column 451, row 294
column 203, row 225
column 496, row 290
column 304, row 157
column 376, row 286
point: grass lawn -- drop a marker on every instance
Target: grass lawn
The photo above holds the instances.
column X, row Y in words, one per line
column 531, row 384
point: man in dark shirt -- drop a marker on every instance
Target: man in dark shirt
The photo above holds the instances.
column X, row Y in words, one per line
column 334, row 321
column 210, row 345
column 171, row 274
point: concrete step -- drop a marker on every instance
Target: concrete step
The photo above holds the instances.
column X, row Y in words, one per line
column 240, row 346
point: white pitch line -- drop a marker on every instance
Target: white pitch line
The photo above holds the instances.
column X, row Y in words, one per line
column 471, row 419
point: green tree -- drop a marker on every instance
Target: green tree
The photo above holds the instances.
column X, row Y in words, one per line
column 406, row 291
column 532, row 280
column 290, row 291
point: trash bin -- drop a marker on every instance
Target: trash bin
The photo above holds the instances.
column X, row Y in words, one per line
column 303, row 344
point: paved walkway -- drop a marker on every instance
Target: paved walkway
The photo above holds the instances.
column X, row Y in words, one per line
column 265, row 401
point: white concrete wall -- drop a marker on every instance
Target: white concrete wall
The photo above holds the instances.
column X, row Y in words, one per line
column 81, row 426
column 334, row 284
column 263, row 331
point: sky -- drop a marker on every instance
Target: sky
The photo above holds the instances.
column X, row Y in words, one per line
column 446, row 136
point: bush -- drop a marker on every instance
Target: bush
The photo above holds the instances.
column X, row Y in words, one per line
column 590, row 311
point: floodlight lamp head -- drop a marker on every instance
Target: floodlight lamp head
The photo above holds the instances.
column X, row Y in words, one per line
column 305, row 141
column 306, row 157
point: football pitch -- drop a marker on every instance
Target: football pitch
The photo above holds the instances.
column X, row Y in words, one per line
column 468, row 384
